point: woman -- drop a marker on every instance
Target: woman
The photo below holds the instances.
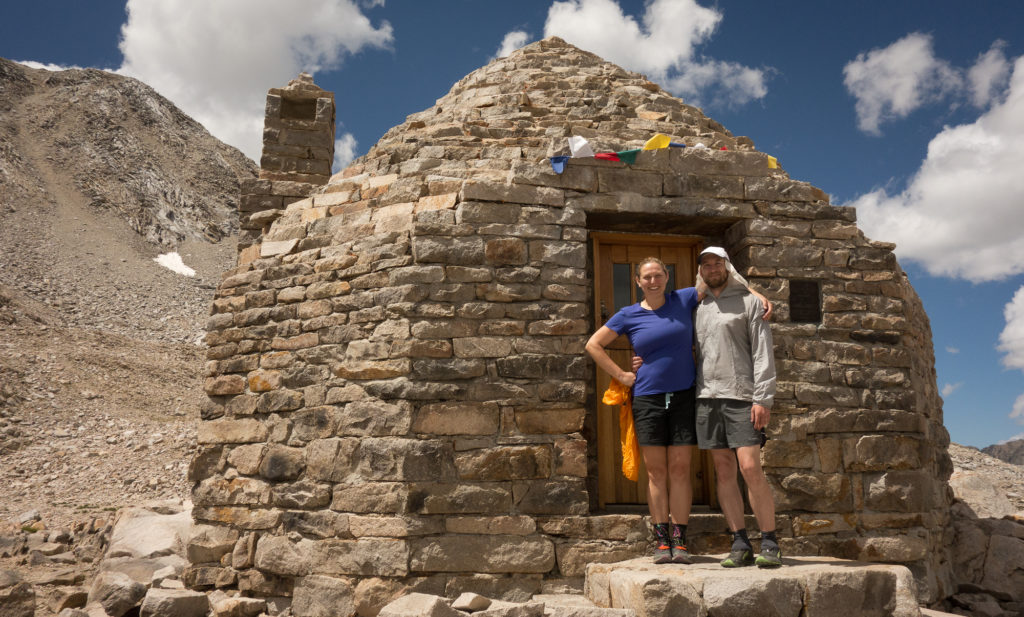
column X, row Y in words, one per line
column 660, row 330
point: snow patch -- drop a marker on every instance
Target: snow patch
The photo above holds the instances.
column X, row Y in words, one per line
column 172, row 261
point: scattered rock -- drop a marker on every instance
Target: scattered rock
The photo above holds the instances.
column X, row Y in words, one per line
column 471, row 602
column 174, row 603
column 17, row 598
column 141, row 532
column 26, row 518
column 241, row 607
column 69, row 597
column 116, row 592
column 419, row 605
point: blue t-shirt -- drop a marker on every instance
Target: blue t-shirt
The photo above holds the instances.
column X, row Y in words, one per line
column 664, row 339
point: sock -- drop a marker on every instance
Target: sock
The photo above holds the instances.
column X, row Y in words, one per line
column 679, row 533
column 661, row 532
column 768, row 539
column 740, row 540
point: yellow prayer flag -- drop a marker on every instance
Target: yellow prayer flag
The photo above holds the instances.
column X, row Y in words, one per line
column 657, row 142
column 773, row 163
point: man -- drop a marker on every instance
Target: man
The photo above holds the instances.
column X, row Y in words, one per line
column 735, row 390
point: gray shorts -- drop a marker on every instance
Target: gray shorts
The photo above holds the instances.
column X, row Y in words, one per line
column 725, row 423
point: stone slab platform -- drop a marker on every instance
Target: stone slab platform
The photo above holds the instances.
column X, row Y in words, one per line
column 802, row 587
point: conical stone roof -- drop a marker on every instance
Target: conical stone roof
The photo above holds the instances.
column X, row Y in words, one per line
column 525, row 106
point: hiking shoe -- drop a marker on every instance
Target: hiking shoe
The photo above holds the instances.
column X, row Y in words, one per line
column 739, row 557
column 662, row 552
column 679, row 552
column 770, row 557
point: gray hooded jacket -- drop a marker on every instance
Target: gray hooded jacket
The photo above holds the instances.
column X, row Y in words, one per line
column 735, row 357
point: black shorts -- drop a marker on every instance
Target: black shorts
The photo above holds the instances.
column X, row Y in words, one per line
column 725, row 423
column 666, row 419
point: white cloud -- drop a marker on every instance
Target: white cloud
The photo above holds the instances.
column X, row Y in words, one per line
column 989, row 74
column 960, row 214
column 893, row 81
column 662, row 46
column 952, row 350
column 49, row 66
column 512, row 41
column 950, row 388
column 344, row 151
column 1018, row 412
column 1011, row 339
column 216, row 60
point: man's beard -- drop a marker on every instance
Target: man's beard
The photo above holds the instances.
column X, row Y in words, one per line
column 717, row 281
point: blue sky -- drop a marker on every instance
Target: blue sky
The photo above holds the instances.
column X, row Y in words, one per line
column 913, row 111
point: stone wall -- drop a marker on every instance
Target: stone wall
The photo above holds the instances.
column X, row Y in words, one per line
column 398, row 393
column 858, row 454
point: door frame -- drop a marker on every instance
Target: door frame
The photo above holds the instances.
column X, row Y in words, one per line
column 702, row 466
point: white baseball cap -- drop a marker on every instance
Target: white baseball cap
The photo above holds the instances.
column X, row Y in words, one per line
column 713, row 250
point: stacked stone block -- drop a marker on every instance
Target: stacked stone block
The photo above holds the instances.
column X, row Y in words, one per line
column 298, row 151
column 398, row 397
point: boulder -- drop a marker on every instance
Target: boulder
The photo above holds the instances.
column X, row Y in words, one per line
column 143, row 533
column 512, row 609
column 11, row 545
column 980, row 494
column 239, row 607
column 174, row 603
column 67, row 576
column 208, row 543
column 143, row 570
column 471, row 602
column 117, row 592
column 419, row 605
column 68, row 597
column 17, row 598
column 1004, row 566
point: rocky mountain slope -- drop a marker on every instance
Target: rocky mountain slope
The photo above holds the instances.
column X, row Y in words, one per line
column 100, row 365
column 1011, row 451
column 98, row 175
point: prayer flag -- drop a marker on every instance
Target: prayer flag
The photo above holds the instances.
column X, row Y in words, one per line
column 773, row 163
column 607, row 156
column 628, row 156
column 579, row 147
column 657, row 142
column 558, row 163
column 676, row 144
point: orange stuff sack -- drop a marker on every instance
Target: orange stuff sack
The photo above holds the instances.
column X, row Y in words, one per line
column 618, row 394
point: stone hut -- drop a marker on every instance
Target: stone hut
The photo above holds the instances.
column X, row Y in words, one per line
column 399, row 397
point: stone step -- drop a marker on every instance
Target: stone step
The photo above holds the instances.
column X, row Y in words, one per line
column 576, row 605
column 802, row 587
column 707, row 531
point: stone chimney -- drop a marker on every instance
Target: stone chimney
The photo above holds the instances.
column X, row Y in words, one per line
column 298, row 150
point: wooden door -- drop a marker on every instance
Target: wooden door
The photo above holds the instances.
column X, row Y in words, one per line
column 615, row 259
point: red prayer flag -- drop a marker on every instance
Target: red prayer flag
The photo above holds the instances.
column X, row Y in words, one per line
column 608, row 156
